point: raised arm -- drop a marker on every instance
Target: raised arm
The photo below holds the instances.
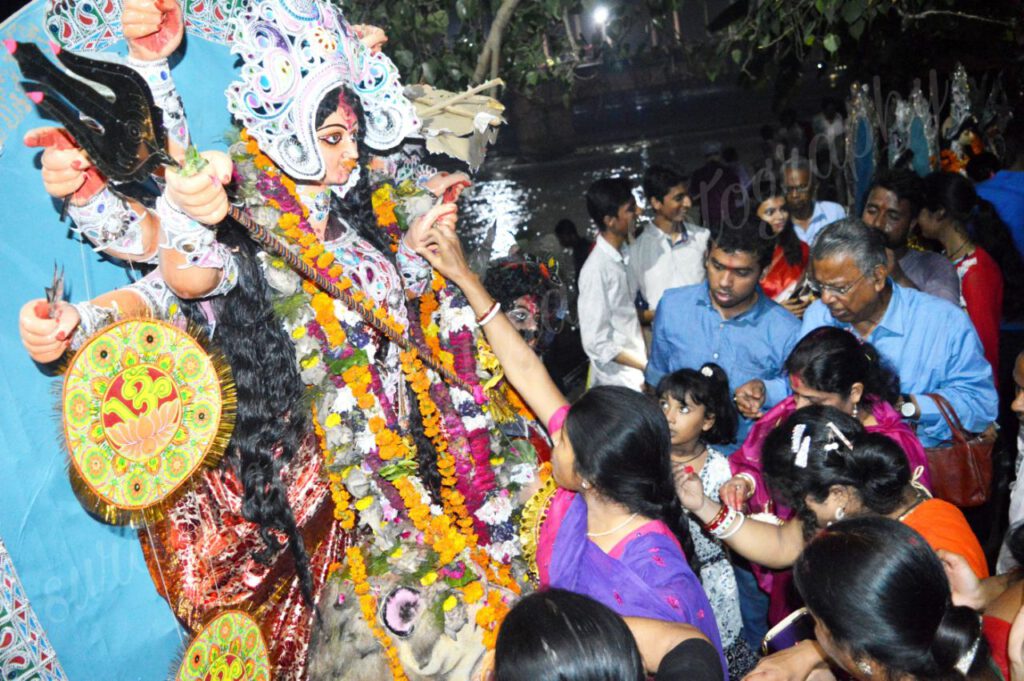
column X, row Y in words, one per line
column 439, row 244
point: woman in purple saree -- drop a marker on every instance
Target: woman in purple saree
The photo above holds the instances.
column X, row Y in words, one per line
column 644, row 575
column 601, row 521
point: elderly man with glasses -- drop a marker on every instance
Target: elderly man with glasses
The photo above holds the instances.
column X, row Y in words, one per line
column 928, row 341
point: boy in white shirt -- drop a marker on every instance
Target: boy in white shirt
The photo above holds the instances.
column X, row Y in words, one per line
column 609, row 325
column 669, row 252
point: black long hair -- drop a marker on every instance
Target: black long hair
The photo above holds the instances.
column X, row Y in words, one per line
column 621, row 445
column 882, row 593
column 831, row 360
column 875, row 466
column 558, row 635
column 770, row 187
column 356, row 205
column 955, row 194
column 271, row 418
column 711, row 392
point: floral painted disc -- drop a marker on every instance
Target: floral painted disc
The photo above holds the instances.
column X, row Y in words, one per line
column 229, row 648
column 142, row 406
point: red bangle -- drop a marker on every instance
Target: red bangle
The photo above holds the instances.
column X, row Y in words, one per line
column 717, row 520
column 489, row 315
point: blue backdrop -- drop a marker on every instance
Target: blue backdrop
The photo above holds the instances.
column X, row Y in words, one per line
column 87, row 581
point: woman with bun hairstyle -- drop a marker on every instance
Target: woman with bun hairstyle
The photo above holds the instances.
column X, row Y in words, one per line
column 697, row 405
column 882, row 606
column 823, row 464
column 829, row 366
column 979, row 245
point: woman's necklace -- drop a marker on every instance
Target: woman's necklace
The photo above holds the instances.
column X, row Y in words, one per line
column 614, row 529
column 962, row 246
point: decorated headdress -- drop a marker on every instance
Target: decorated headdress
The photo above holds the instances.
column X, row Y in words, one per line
column 294, row 52
column 960, row 113
column 913, row 141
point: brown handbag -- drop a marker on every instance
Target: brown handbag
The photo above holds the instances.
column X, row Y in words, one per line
column 961, row 467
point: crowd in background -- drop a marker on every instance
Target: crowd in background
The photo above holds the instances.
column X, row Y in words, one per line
column 804, row 358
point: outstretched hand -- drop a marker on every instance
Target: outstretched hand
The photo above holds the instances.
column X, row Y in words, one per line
column 45, row 338
column 153, row 28
column 438, row 242
column 202, row 196
column 67, row 170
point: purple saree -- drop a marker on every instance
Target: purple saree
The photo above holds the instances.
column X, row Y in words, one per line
column 645, row 575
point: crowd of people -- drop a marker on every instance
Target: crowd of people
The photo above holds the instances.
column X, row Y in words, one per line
column 759, row 457
column 803, row 359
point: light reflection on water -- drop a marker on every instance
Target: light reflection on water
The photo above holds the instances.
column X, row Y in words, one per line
column 514, row 203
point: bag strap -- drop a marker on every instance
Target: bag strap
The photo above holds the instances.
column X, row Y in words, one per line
column 949, row 414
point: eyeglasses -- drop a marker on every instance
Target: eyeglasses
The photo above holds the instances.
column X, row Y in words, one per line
column 838, row 291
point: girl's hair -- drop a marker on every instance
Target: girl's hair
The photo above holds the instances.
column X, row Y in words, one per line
column 956, row 195
column 874, row 465
column 711, row 392
column 831, row 360
column 621, row 445
column 882, row 593
column 770, row 187
column 557, row 635
column 271, row 418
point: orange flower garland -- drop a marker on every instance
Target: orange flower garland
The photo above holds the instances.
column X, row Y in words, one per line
column 343, row 512
column 368, row 606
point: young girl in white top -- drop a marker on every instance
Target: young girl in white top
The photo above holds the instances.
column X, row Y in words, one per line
column 700, row 413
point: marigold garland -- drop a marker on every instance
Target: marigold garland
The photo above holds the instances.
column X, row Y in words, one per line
column 343, row 512
column 368, row 606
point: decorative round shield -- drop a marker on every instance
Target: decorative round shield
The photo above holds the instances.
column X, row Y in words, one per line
column 229, row 648
column 144, row 406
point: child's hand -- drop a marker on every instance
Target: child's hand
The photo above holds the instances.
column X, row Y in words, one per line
column 689, row 488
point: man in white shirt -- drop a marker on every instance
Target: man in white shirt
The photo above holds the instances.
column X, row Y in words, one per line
column 669, row 253
column 609, row 325
column 809, row 216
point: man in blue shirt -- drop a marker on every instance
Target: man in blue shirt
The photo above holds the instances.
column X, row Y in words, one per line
column 929, row 342
column 726, row 320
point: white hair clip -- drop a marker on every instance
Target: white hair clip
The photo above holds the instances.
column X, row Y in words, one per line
column 801, row 445
column 839, row 434
column 707, row 371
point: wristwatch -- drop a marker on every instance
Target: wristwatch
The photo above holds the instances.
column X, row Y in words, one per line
column 907, row 407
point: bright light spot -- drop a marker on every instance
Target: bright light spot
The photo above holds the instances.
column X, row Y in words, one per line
column 601, row 14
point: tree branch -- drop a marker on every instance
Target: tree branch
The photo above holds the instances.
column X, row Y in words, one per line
column 945, row 12
column 489, row 54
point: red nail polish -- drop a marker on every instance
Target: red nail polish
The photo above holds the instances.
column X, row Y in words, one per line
column 61, row 335
column 77, row 165
column 688, row 470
